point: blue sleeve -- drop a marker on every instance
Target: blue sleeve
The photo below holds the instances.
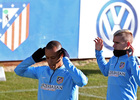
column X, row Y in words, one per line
column 135, row 70
column 24, row 69
column 103, row 65
column 77, row 75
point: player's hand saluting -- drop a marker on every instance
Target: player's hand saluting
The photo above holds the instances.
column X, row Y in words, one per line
column 98, row 44
column 130, row 50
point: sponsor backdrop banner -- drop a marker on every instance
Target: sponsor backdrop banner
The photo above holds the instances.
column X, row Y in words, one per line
column 101, row 19
column 26, row 25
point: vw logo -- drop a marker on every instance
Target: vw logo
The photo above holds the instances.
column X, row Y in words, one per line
column 115, row 15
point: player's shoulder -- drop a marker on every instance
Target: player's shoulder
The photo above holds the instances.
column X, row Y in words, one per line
column 137, row 60
column 42, row 68
column 112, row 58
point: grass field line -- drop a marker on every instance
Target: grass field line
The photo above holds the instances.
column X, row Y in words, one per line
column 13, row 91
column 90, row 95
column 30, row 90
column 83, row 94
column 89, row 87
column 26, row 90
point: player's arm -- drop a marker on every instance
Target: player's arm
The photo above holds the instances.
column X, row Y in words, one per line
column 133, row 63
column 103, row 65
column 134, row 67
column 24, row 69
column 77, row 75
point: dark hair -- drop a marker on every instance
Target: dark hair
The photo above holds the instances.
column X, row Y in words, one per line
column 53, row 44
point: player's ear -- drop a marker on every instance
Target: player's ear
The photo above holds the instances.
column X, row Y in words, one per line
column 60, row 52
column 62, row 55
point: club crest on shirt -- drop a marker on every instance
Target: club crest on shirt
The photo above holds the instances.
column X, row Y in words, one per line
column 122, row 64
column 59, row 79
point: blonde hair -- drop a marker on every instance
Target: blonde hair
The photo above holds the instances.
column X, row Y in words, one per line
column 126, row 35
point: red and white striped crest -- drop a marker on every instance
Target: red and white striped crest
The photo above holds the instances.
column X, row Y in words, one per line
column 15, row 25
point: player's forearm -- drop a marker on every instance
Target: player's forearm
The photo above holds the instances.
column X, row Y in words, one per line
column 135, row 69
column 77, row 75
column 23, row 66
column 101, row 62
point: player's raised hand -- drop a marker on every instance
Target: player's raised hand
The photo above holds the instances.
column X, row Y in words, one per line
column 38, row 55
column 130, row 50
column 65, row 53
column 98, row 44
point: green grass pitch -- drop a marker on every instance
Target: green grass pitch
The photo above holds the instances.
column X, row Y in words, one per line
column 19, row 88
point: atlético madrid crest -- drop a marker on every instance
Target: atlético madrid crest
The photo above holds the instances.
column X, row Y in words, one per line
column 59, row 79
column 122, row 64
column 14, row 24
